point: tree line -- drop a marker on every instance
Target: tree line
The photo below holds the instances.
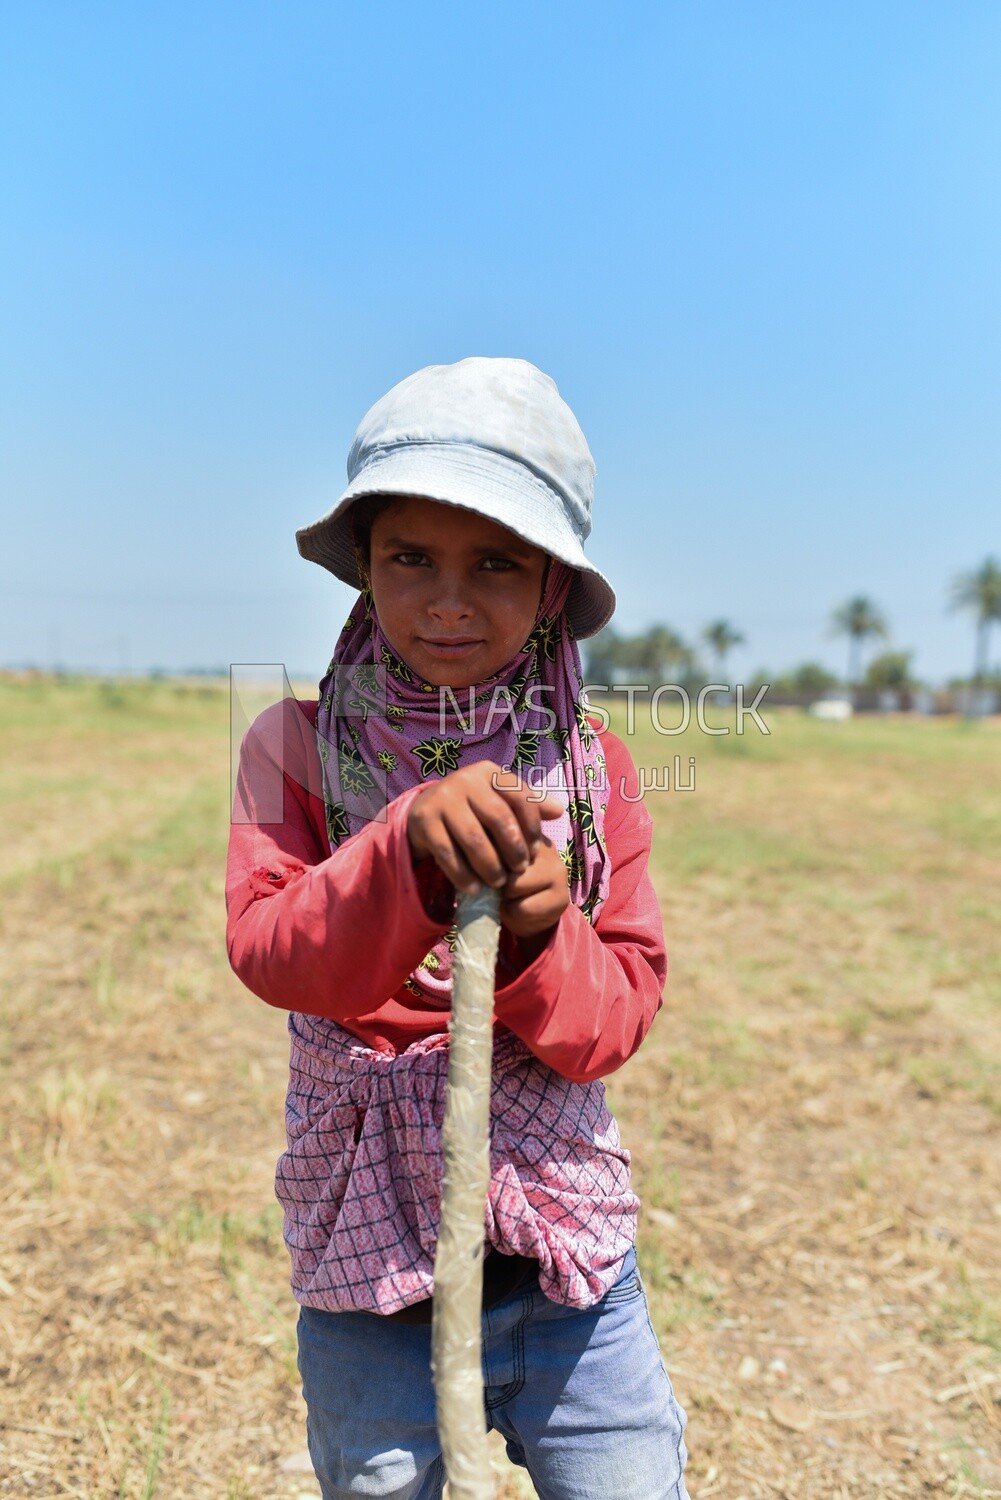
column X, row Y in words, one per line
column 660, row 654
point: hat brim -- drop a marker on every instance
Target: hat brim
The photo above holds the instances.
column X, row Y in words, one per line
column 478, row 479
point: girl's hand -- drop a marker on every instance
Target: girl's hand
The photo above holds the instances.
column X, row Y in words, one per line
column 479, row 830
column 533, row 902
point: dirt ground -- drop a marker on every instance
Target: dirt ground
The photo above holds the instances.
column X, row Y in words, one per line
column 815, row 1118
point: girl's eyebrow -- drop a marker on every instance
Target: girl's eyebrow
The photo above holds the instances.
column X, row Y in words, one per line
column 405, row 544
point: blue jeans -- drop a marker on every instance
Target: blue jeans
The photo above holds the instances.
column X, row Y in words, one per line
column 582, row 1399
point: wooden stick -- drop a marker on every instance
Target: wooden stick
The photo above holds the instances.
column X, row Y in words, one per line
column 458, row 1268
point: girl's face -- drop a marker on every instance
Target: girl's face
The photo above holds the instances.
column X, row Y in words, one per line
column 456, row 594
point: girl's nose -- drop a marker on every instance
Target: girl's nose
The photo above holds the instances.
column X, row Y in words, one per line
column 449, row 601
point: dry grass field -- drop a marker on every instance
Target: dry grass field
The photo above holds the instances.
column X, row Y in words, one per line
column 815, row 1119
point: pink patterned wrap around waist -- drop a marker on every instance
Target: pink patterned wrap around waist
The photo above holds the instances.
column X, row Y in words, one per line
column 360, row 1182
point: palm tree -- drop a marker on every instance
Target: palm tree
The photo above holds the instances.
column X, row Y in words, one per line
column 657, row 653
column 890, row 672
column 981, row 592
column 652, row 655
column 858, row 619
column 721, row 638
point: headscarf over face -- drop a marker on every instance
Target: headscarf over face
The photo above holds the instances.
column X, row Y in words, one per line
column 381, row 730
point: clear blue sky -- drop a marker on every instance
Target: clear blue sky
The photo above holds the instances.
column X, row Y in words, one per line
column 757, row 246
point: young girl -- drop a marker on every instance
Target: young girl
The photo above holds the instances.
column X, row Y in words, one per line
column 450, row 746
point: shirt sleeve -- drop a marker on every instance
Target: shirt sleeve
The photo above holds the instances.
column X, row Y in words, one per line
column 308, row 929
column 588, row 1000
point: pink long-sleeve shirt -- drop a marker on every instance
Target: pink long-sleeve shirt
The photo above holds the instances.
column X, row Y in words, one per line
column 333, row 937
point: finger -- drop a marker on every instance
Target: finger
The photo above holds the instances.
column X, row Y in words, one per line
column 529, row 809
column 545, row 858
column 528, row 886
column 544, row 873
column 448, row 856
column 531, row 914
column 546, row 806
column 477, row 848
column 505, row 825
column 502, row 780
column 527, row 883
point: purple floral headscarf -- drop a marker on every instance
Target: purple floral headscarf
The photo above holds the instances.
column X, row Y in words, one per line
column 381, row 730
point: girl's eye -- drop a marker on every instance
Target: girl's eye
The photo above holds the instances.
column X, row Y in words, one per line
column 488, row 564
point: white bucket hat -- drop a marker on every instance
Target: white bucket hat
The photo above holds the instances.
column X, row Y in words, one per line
column 490, row 435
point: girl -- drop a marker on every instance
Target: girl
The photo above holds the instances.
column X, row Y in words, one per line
column 450, row 746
